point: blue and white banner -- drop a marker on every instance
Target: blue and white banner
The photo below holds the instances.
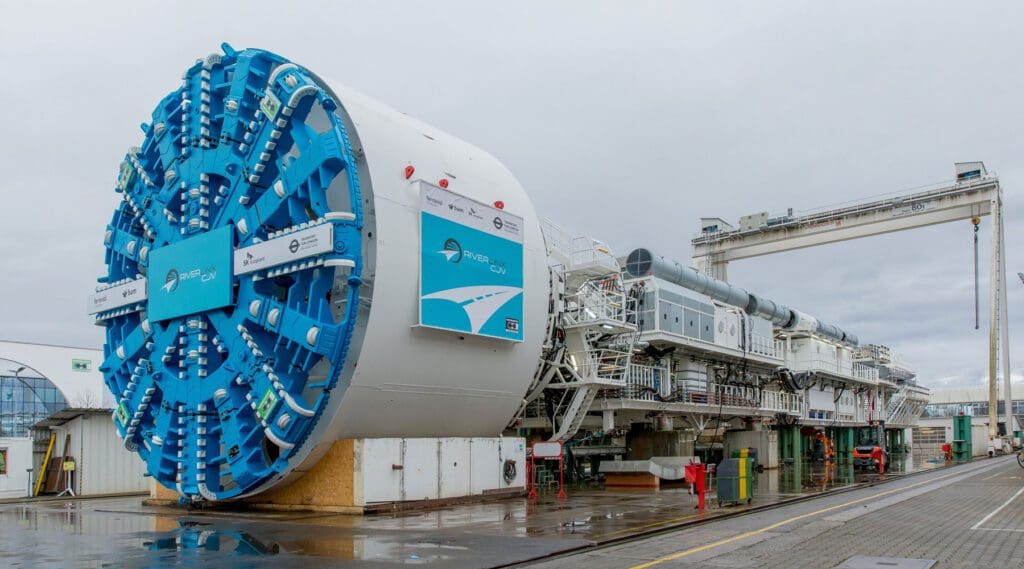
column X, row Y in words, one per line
column 191, row 276
column 471, row 266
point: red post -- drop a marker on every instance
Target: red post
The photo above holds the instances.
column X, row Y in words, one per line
column 530, row 470
column 696, row 475
column 700, row 486
column 561, row 477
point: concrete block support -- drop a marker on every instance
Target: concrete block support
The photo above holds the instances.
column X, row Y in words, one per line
column 643, row 443
column 766, row 442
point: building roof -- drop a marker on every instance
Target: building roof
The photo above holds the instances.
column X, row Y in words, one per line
column 63, row 416
column 976, row 394
column 93, row 348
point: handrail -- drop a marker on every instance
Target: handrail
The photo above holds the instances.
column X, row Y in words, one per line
column 604, row 364
column 643, row 383
column 585, row 250
column 852, row 370
column 593, row 303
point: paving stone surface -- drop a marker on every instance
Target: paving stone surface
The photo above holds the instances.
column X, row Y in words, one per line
column 967, row 517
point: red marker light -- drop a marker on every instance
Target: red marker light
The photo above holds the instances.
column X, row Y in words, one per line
column 499, row 204
column 443, row 183
column 408, row 171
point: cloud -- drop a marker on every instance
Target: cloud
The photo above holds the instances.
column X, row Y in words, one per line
column 624, row 121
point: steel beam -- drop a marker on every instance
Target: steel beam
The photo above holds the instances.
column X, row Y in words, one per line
column 956, row 202
column 993, row 327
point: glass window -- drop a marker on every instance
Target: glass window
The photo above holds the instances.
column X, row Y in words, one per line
column 24, row 401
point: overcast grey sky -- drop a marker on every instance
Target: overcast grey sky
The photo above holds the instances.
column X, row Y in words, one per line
column 626, row 121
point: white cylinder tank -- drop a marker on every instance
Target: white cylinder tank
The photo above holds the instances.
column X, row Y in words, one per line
column 270, row 270
column 417, row 381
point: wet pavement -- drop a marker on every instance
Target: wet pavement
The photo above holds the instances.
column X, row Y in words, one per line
column 964, row 517
column 121, row 532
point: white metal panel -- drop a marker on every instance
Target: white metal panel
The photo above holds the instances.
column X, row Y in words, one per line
column 979, row 439
column 420, row 461
column 760, row 326
column 820, row 400
column 513, row 448
column 381, row 482
column 14, row 484
column 847, row 402
column 485, row 471
column 826, row 353
column 436, row 468
column 455, row 468
column 104, row 465
column 727, row 328
column 547, row 449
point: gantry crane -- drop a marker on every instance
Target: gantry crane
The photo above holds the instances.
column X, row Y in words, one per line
column 973, row 194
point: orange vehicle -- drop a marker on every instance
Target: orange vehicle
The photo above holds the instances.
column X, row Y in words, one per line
column 872, row 454
column 822, row 449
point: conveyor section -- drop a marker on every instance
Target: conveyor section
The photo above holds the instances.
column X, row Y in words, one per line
column 642, row 263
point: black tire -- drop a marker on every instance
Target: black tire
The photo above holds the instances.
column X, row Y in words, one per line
column 1020, row 458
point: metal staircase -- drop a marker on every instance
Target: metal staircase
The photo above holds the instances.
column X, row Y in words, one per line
column 576, row 411
column 595, row 316
column 897, row 405
column 590, row 334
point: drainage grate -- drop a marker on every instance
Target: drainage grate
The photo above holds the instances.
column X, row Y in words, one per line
column 865, row 562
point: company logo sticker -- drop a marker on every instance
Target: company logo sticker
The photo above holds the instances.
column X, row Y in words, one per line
column 174, row 277
column 171, row 281
column 452, row 251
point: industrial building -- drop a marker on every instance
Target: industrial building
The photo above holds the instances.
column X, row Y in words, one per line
column 55, row 409
column 935, row 427
column 275, row 229
column 952, row 401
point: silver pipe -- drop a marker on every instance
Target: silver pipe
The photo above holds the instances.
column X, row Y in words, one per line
column 642, row 263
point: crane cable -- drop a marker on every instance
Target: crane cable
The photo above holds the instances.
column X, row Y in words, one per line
column 977, row 318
